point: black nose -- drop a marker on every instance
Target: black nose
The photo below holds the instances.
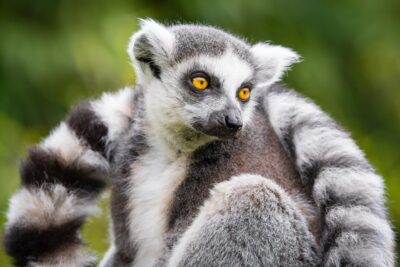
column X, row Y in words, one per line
column 224, row 124
column 233, row 122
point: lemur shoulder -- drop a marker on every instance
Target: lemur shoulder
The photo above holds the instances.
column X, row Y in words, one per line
column 211, row 162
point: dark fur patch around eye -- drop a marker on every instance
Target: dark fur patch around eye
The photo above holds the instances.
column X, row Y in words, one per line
column 247, row 84
column 200, row 74
column 214, row 83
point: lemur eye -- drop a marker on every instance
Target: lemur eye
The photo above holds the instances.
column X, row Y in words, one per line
column 200, row 83
column 244, row 94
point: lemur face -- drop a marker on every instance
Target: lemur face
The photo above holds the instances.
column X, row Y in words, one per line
column 214, row 92
column 202, row 78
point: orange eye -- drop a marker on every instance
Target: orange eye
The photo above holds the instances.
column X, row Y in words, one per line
column 200, row 83
column 244, row 94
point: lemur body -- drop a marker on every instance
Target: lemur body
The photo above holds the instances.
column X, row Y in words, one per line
column 189, row 186
column 170, row 206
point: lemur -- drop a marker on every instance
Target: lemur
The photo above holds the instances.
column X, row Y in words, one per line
column 211, row 162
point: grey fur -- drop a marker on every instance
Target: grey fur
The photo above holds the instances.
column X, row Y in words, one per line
column 348, row 193
column 255, row 226
column 292, row 189
column 194, row 40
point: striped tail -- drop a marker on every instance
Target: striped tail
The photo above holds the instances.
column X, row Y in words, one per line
column 61, row 179
column 349, row 194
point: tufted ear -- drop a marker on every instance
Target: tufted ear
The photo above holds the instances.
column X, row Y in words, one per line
column 150, row 48
column 273, row 61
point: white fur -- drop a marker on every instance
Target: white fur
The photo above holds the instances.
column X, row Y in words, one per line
column 165, row 120
column 64, row 141
column 66, row 144
column 274, row 60
column 94, row 159
column 115, row 110
column 154, row 180
column 41, row 208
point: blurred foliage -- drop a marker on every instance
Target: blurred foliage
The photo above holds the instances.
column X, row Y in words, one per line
column 55, row 53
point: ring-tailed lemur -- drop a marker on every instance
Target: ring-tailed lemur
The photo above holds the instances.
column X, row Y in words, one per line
column 211, row 163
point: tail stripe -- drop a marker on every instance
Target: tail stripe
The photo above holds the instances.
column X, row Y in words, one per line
column 43, row 167
column 42, row 220
column 345, row 188
column 88, row 127
column 21, row 241
column 61, row 178
column 356, row 188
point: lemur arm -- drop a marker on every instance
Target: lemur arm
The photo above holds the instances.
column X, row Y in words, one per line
column 344, row 186
column 61, row 179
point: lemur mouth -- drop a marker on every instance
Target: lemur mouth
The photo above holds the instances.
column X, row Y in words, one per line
column 221, row 132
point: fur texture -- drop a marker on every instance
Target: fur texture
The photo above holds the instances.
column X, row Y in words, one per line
column 291, row 188
column 247, row 221
column 345, row 188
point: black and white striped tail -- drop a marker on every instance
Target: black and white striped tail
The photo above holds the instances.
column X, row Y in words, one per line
column 61, row 178
column 348, row 192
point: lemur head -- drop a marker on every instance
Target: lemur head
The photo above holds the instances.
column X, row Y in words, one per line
column 199, row 81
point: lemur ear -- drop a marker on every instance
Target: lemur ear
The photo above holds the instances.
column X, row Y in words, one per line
column 150, row 48
column 273, row 61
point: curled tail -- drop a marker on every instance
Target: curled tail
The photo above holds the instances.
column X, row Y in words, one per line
column 356, row 230
column 61, row 179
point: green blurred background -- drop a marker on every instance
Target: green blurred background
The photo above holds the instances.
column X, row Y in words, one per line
column 55, row 53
